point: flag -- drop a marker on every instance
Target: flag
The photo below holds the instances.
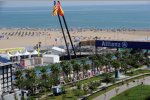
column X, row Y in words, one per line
column 60, row 10
column 55, row 10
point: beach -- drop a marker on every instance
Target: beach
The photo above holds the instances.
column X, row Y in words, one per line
column 12, row 38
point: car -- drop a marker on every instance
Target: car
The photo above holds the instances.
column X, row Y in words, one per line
column 57, row 90
column 103, row 88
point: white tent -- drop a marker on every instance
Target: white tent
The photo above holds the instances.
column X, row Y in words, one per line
column 17, row 54
column 25, row 53
column 9, row 55
column 34, row 52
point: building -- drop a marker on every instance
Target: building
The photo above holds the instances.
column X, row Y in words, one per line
column 50, row 59
column 5, row 77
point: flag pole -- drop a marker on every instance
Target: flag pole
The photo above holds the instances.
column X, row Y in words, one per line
column 69, row 56
column 69, row 35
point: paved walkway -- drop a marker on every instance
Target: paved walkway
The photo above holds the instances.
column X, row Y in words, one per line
column 117, row 90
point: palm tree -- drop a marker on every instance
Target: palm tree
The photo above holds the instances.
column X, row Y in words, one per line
column 83, row 64
column 66, row 68
column 85, row 67
column 118, row 55
column 124, row 66
column 44, row 76
column 116, row 64
column 107, row 59
column 31, row 80
column 93, row 58
column 102, row 62
column 19, row 79
column 55, row 74
column 76, row 67
column 147, row 62
column 98, row 65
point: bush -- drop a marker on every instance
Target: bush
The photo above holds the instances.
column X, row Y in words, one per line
column 78, row 85
column 78, row 92
column 92, row 86
column 108, row 78
column 98, row 83
column 85, row 89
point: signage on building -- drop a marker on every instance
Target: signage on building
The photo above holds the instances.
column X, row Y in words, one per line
column 122, row 44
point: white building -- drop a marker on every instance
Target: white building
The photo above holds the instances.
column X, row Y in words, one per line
column 50, row 59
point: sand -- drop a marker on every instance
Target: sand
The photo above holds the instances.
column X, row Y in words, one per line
column 12, row 38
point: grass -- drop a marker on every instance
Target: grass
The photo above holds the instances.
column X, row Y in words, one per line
column 137, row 72
column 91, row 97
column 141, row 92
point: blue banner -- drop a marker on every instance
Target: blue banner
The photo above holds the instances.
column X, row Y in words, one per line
column 122, row 44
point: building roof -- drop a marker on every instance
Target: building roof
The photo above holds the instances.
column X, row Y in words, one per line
column 58, row 49
column 3, row 60
column 50, row 55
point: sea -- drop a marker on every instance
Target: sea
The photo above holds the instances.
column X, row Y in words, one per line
column 79, row 16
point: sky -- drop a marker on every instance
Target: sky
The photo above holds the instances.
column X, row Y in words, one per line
column 33, row 3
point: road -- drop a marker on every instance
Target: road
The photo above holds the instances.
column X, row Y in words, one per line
column 108, row 95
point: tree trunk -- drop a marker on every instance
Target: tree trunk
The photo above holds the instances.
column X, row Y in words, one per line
column 77, row 75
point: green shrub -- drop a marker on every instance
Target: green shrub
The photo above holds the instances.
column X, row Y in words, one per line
column 78, row 92
column 92, row 86
column 78, row 85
